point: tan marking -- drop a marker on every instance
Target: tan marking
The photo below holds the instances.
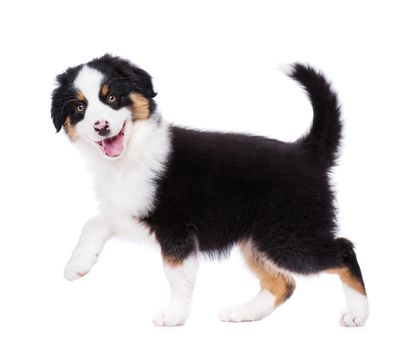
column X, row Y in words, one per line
column 140, row 106
column 80, row 96
column 347, row 278
column 104, row 90
column 70, row 130
column 171, row 261
column 280, row 284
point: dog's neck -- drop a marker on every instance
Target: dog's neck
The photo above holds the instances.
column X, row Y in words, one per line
column 148, row 145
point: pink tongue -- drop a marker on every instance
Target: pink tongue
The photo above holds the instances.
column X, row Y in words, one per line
column 113, row 146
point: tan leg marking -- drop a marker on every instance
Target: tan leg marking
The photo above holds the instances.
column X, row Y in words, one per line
column 140, row 108
column 171, row 261
column 70, row 130
column 347, row 278
column 281, row 285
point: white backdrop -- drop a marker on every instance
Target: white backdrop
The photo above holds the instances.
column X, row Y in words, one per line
column 213, row 65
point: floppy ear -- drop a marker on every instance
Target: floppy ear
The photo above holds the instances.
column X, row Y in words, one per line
column 62, row 95
column 57, row 109
column 142, row 82
column 128, row 75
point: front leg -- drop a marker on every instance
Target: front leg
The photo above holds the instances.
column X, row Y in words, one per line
column 93, row 237
column 181, row 276
column 179, row 251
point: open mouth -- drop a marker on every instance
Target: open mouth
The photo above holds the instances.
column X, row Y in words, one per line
column 113, row 146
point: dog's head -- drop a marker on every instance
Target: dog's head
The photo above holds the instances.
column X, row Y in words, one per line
column 100, row 100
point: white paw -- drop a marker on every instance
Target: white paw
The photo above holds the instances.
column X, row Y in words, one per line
column 353, row 319
column 256, row 309
column 78, row 266
column 357, row 309
column 239, row 313
column 171, row 315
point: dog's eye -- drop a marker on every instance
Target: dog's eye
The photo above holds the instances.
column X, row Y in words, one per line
column 111, row 98
column 80, row 108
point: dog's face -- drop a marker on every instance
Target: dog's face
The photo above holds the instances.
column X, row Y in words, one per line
column 99, row 101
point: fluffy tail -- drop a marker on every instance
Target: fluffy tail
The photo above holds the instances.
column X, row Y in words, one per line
column 323, row 139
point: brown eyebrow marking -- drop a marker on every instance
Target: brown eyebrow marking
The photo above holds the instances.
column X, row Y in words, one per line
column 80, row 96
column 104, row 90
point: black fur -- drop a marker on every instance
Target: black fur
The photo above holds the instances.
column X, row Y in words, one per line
column 222, row 188
column 122, row 78
column 323, row 140
column 64, row 98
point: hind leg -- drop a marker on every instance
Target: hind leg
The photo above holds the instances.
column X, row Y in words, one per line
column 312, row 255
column 333, row 255
column 276, row 287
column 357, row 308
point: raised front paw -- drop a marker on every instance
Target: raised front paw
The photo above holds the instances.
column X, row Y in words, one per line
column 78, row 266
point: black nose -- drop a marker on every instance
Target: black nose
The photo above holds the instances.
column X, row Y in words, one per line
column 104, row 132
column 102, row 127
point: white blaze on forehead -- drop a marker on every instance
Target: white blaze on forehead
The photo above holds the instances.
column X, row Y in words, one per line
column 89, row 81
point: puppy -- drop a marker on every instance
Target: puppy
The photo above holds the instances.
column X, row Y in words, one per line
column 204, row 192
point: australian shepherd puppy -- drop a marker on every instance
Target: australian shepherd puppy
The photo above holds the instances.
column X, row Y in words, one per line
column 204, row 192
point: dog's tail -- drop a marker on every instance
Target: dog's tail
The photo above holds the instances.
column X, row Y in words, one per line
column 323, row 140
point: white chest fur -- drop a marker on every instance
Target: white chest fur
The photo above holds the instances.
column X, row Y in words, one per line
column 124, row 187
